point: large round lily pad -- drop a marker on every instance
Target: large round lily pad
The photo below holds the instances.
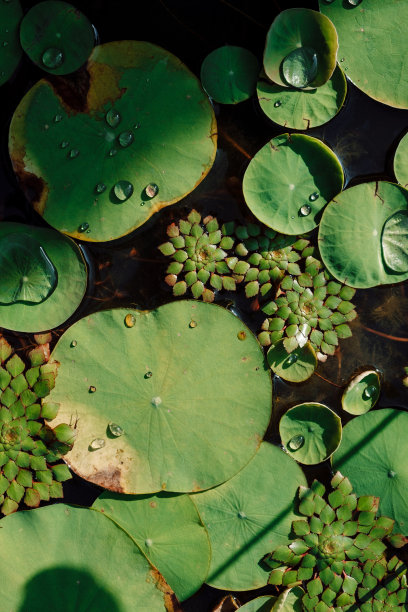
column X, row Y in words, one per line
column 302, row 109
column 43, row 277
column 169, row 532
column 10, row 49
column 249, row 516
column 310, row 432
column 351, row 230
column 229, row 74
column 365, row 30
column 373, row 455
column 60, row 562
column 57, row 36
column 296, row 366
column 186, row 383
column 290, row 180
column 300, row 49
column 97, row 156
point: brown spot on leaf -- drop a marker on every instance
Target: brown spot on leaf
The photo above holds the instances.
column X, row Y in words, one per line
column 170, row 600
column 109, row 479
column 34, row 187
column 153, row 504
column 72, row 90
column 227, row 604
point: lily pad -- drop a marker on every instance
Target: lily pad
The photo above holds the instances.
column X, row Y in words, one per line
column 300, row 50
column 290, row 600
column 395, row 241
column 97, row 156
column 171, row 379
column 56, row 36
column 351, row 229
column 10, row 49
column 168, row 530
column 302, row 109
column 248, row 516
column 44, row 277
column 290, row 180
column 310, row 432
column 260, row 604
column 362, row 393
column 365, row 31
column 229, row 74
column 74, row 564
column 373, row 455
column 296, row 366
column 401, row 162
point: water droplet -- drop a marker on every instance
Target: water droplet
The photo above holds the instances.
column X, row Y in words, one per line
column 126, row 138
column 74, row 343
column 112, row 152
column 291, row 359
column 151, row 190
column 83, row 227
column 136, row 126
column 57, row 118
column 277, row 103
column 123, row 190
column 100, row 187
column 241, row 335
column 148, row 542
column 391, row 474
column 92, row 389
column 112, row 117
column 369, row 391
column 299, row 67
column 52, row 57
column 192, row 323
column 130, row 320
column 354, row 2
column 242, row 515
column 73, row 153
column 5, row 43
column 64, row 144
column 148, row 374
column 313, row 196
column 156, row 401
column 296, row 442
column 116, row 430
column 97, row 443
column 305, row 210
column 342, row 59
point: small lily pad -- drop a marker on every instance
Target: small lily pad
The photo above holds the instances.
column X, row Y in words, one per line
column 362, row 393
column 296, row 366
column 246, row 518
column 44, row 277
column 168, row 530
column 373, row 455
column 317, row 425
column 56, row 36
column 300, row 50
column 302, row 109
column 395, row 241
column 401, row 162
column 229, row 74
column 260, row 604
column 10, row 49
column 351, row 234
column 290, row 180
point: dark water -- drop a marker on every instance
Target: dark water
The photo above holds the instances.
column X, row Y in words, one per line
column 130, row 272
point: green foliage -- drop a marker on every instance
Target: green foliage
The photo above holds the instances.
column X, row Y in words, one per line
column 362, row 393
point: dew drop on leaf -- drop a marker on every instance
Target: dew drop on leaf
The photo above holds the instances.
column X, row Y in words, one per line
column 130, row 320
column 112, row 117
column 64, row 144
column 277, row 103
column 305, row 210
column 73, row 153
column 151, row 190
column 291, row 359
column 57, row 118
column 83, row 227
column 73, row 344
column 97, row 443
column 369, row 391
column 112, row 152
column 148, row 374
column 156, row 401
column 313, row 196
column 299, row 67
column 123, row 190
column 116, row 430
column 126, row 138
column 295, row 443
column 100, row 188
column 52, row 57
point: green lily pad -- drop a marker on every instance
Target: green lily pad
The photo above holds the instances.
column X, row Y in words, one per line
column 171, row 379
column 73, row 566
column 296, row 366
column 43, row 276
column 136, row 134
column 260, row 604
column 365, row 31
column 229, row 74
column 350, row 233
column 290, row 180
column 401, row 162
column 303, row 109
column 362, row 393
column 373, row 455
column 167, row 529
column 248, row 516
column 300, row 50
column 10, row 49
column 310, row 432
column 56, row 36
column 395, row 241
column 290, row 600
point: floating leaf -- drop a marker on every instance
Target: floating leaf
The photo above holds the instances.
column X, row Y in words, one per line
column 137, row 117
column 245, row 518
column 395, row 240
column 319, row 427
column 290, row 180
column 167, row 529
column 229, row 74
column 43, row 275
column 362, row 393
column 260, row 604
column 290, row 600
column 10, row 50
column 401, row 161
column 296, row 366
column 350, row 233
column 175, row 439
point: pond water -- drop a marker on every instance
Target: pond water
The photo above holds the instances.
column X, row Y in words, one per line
column 364, row 135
